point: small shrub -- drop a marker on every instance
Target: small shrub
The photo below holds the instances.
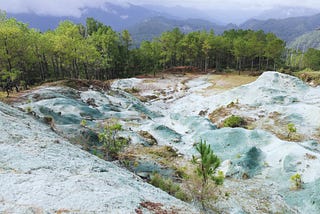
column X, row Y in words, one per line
column 233, row 121
column 310, row 156
column 291, row 129
column 48, row 120
column 206, row 166
column 112, row 143
column 83, row 123
column 28, row 109
column 132, row 90
column 296, row 181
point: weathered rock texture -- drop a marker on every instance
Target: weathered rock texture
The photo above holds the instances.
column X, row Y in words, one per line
column 40, row 172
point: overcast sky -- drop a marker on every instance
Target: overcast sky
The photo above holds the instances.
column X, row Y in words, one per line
column 73, row 7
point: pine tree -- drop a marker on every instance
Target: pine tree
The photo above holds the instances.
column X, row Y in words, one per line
column 207, row 165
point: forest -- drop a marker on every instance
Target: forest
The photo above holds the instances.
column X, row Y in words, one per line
column 96, row 51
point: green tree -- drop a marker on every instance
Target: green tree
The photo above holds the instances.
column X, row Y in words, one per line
column 112, row 143
column 311, row 59
column 170, row 45
column 126, row 42
column 207, row 165
column 274, row 49
column 150, row 56
column 92, row 26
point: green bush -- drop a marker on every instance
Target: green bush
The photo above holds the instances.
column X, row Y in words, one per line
column 296, row 181
column 83, row 123
column 291, row 129
column 28, row 109
column 233, row 121
column 112, row 143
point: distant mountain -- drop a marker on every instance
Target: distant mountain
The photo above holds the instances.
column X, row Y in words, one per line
column 120, row 17
column 286, row 12
column 153, row 27
column 147, row 22
column 306, row 41
column 41, row 22
column 180, row 12
column 117, row 16
column 287, row 29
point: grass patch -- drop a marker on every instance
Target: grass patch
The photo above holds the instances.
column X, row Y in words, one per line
column 167, row 185
column 309, row 76
column 3, row 95
column 225, row 82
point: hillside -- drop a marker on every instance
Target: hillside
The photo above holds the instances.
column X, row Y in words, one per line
column 306, row 41
column 146, row 22
column 117, row 16
column 287, row 29
column 50, row 174
column 153, row 27
column 41, row 172
column 286, row 12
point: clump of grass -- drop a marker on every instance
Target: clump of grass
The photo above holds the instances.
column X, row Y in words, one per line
column 167, row 185
column 132, row 90
column 48, row 120
column 28, row 109
column 83, row 123
column 234, row 121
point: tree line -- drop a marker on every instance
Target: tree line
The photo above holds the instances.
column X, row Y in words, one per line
column 298, row 60
column 96, row 51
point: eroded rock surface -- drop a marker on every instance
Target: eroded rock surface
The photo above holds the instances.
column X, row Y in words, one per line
column 40, row 172
column 259, row 160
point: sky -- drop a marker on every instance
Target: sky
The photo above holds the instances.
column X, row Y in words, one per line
column 73, row 7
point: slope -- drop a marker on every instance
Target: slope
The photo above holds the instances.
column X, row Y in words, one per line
column 40, row 172
column 287, row 29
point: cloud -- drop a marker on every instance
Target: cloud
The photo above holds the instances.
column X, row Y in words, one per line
column 52, row 7
column 74, row 7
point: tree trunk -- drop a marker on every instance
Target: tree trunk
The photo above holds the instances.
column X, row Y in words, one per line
column 252, row 64
column 86, row 70
column 7, row 52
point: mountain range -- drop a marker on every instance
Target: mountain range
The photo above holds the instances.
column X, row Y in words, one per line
column 146, row 22
column 307, row 40
column 287, row 29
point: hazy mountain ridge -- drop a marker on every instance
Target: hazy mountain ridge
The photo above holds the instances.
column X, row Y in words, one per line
column 287, row 29
column 145, row 23
column 118, row 17
column 153, row 27
column 286, row 12
column 306, row 41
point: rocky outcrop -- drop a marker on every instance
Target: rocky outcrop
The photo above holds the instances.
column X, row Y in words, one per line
column 40, row 172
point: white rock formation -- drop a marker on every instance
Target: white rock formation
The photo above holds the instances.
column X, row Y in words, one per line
column 40, row 172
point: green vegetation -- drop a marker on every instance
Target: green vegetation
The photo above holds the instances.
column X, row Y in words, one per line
column 112, row 143
column 206, row 166
column 311, row 39
column 291, row 129
column 96, row 51
column 296, row 181
column 233, row 121
column 83, row 123
column 168, row 186
column 307, row 60
column 28, row 109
